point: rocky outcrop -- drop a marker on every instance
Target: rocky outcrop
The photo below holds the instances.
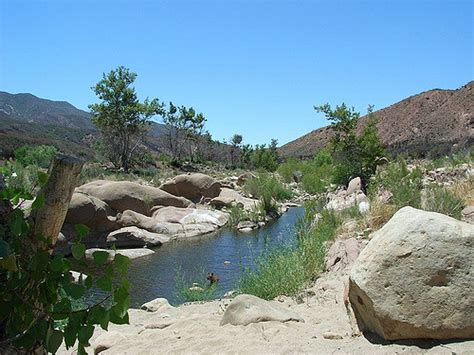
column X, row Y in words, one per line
column 343, row 252
column 176, row 223
column 126, row 195
column 90, row 211
column 193, row 186
column 247, row 309
column 134, row 237
column 229, row 198
column 355, row 185
column 130, row 253
column 414, row 279
column 341, row 200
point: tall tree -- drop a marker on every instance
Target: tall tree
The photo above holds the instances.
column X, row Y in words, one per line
column 235, row 141
column 121, row 119
column 354, row 155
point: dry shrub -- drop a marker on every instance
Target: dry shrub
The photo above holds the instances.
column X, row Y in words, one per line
column 379, row 214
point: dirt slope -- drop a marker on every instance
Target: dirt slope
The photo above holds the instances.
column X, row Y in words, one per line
column 431, row 123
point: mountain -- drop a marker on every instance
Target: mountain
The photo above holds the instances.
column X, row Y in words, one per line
column 27, row 119
column 431, row 123
column 32, row 109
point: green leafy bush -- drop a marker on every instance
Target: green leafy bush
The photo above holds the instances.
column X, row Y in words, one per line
column 317, row 173
column 268, row 189
column 40, row 155
column 354, row 154
column 38, row 299
column 403, row 183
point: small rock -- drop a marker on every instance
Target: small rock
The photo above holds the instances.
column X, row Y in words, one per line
column 332, row 336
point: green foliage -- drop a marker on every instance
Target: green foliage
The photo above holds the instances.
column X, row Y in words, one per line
column 268, row 189
column 288, row 269
column 265, row 158
column 120, row 118
column 40, row 305
column 41, row 155
column 188, row 291
column 317, row 173
column 441, row 200
column 404, row 184
column 354, row 155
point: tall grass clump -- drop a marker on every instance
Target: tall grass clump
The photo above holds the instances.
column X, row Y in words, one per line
column 289, row 269
column 268, row 189
column 440, row 199
column 194, row 291
column 404, row 184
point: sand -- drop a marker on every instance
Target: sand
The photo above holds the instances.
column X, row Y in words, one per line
column 194, row 328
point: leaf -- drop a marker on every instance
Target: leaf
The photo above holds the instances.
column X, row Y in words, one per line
column 38, row 202
column 88, row 282
column 104, row 283
column 104, row 323
column 4, row 248
column 70, row 335
column 55, row 338
column 85, row 333
column 74, row 290
column 81, row 230
column 57, row 264
column 118, row 320
column 122, row 300
column 62, row 309
column 9, row 263
column 42, row 178
column 122, row 263
column 78, row 250
column 100, row 256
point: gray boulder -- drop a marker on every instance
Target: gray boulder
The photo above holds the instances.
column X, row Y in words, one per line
column 126, row 195
column 246, row 309
column 193, row 186
column 134, row 237
column 414, row 279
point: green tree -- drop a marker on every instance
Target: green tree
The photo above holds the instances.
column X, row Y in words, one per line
column 40, row 305
column 184, row 129
column 120, row 117
column 235, row 142
column 354, row 155
column 266, row 157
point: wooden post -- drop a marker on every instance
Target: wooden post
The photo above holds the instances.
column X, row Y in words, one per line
column 63, row 177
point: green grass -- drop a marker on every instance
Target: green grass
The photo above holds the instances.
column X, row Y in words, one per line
column 317, row 173
column 441, row 200
column 289, row 269
column 185, row 291
column 405, row 185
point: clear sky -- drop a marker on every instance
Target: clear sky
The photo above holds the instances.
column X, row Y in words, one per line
column 252, row 67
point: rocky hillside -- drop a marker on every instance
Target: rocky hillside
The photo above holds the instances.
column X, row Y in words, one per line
column 431, row 123
column 27, row 119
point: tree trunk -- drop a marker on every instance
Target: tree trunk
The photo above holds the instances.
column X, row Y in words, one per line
column 49, row 218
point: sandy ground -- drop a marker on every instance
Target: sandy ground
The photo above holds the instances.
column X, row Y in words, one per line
column 194, row 328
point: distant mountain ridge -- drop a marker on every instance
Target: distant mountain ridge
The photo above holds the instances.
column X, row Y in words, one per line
column 28, row 119
column 431, row 123
column 32, row 109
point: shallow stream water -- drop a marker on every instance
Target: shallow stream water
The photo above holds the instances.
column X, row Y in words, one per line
column 224, row 253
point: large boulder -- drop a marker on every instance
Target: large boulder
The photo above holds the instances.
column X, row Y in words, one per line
column 414, row 279
column 134, row 237
column 90, row 211
column 246, row 309
column 176, row 223
column 193, row 186
column 126, row 195
column 129, row 253
column 229, row 197
column 355, row 185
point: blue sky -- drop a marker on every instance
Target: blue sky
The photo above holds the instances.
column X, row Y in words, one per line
column 252, row 67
